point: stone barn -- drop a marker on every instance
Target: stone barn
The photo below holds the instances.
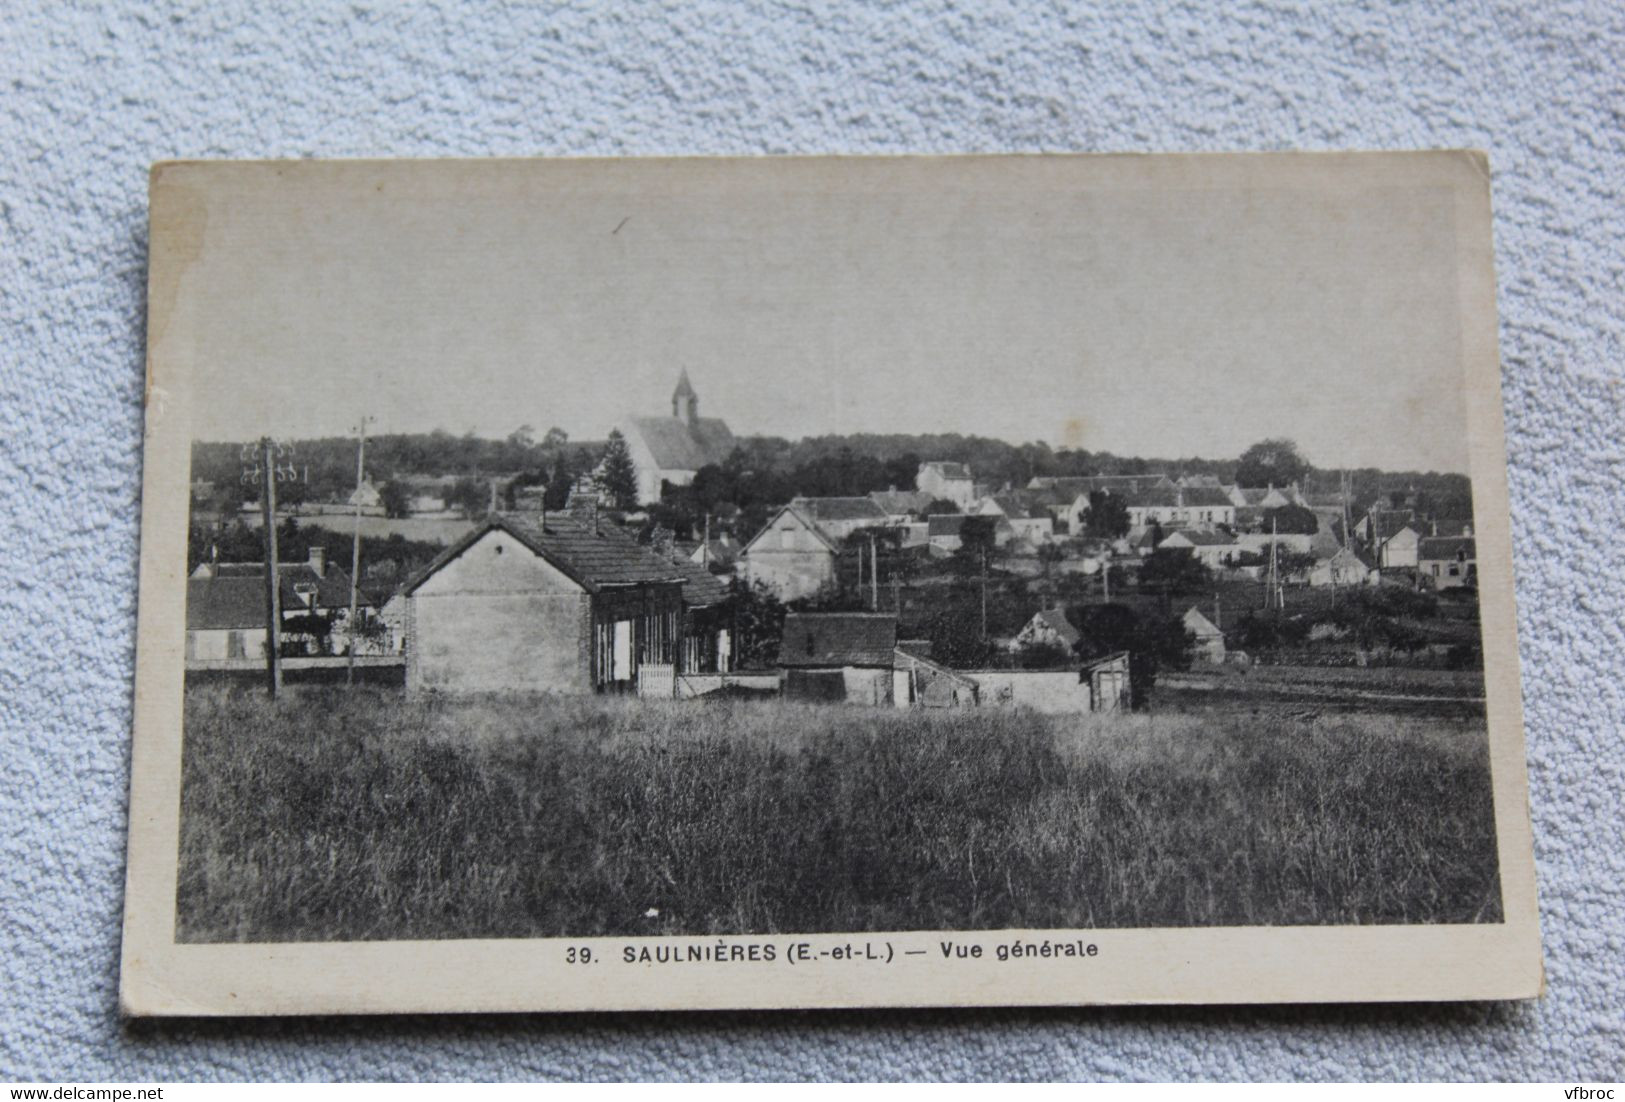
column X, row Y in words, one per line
column 838, row 656
column 564, row 604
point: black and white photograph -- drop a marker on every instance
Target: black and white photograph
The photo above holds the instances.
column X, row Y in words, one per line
column 620, row 569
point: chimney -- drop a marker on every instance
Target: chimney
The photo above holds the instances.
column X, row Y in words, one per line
column 318, row 560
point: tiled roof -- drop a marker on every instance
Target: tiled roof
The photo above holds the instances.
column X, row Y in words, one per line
column 235, row 596
column 1446, row 547
column 1019, row 506
column 1171, row 497
column 1073, row 485
column 678, row 446
column 700, row 586
column 806, row 521
column 1199, row 538
column 812, row 639
column 900, row 501
column 595, row 556
column 945, row 524
column 841, row 508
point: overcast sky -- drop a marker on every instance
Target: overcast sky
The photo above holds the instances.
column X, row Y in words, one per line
column 1130, row 310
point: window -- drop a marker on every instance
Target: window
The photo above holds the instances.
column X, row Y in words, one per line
column 787, row 538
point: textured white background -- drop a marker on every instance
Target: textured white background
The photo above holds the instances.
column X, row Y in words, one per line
column 91, row 96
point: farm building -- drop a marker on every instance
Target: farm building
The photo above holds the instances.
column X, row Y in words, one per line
column 562, row 604
column 1399, row 549
column 838, row 656
column 946, row 482
column 1448, row 562
column 673, row 449
column 225, row 608
column 792, row 556
column 1208, row 645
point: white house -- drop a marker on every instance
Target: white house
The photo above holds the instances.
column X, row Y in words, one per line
column 1448, row 562
column 1344, row 567
column 1028, row 520
column 947, row 481
column 1209, row 640
column 1212, row 549
column 673, row 449
column 792, row 555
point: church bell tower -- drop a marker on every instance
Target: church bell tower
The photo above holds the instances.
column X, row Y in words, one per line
column 685, row 403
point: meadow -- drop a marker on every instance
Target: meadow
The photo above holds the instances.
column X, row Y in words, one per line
column 334, row 815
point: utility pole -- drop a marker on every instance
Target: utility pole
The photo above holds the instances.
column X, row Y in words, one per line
column 267, row 473
column 984, row 592
column 355, row 548
column 874, row 576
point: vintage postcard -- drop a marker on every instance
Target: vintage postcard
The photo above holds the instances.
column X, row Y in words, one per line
column 820, row 582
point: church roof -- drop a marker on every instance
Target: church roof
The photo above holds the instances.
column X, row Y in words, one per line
column 685, row 389
column 680, row 446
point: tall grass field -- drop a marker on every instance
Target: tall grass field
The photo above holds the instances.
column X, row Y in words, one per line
column 335, row 815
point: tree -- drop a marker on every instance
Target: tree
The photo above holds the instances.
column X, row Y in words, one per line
column 1107, row 518
column 559, row 481
column 1153, row 642
column 1049, row 554
column 397, row 501
column 977, row 544
column 1291, row 520
column 619, row 477
column 1174, row 570
column 555, row 439
column 758, row 620
column 1272, row 462
column 956, row 639
column 942, row 507
column 469, row 496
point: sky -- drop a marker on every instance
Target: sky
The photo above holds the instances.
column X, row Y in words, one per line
column 1126, row 305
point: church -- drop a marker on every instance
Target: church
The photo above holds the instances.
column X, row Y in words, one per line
column 672, row 449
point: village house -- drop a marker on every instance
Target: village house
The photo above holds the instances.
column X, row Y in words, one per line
column 367, row 497
column 1048, row 627
column 946, row 482
column 901, row 506
column 1448, row 562
column 1073, row 485
column 838, row 656
column 673, row 449
column 560, row 604
column 1175, row 506
column 1212, row 549
column 792, row 556
column 1028, row 520
column 1391, row 537
column 839, row 517
column 226, row 609
column 1265, row 497
column 1258, row 543
column 1344, row 567
column 944, row 530
column 1208, row 641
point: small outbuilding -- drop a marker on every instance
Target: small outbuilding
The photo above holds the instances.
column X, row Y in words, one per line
column 838, row 656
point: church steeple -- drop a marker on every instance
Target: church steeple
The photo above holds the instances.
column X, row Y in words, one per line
column 685, row 403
